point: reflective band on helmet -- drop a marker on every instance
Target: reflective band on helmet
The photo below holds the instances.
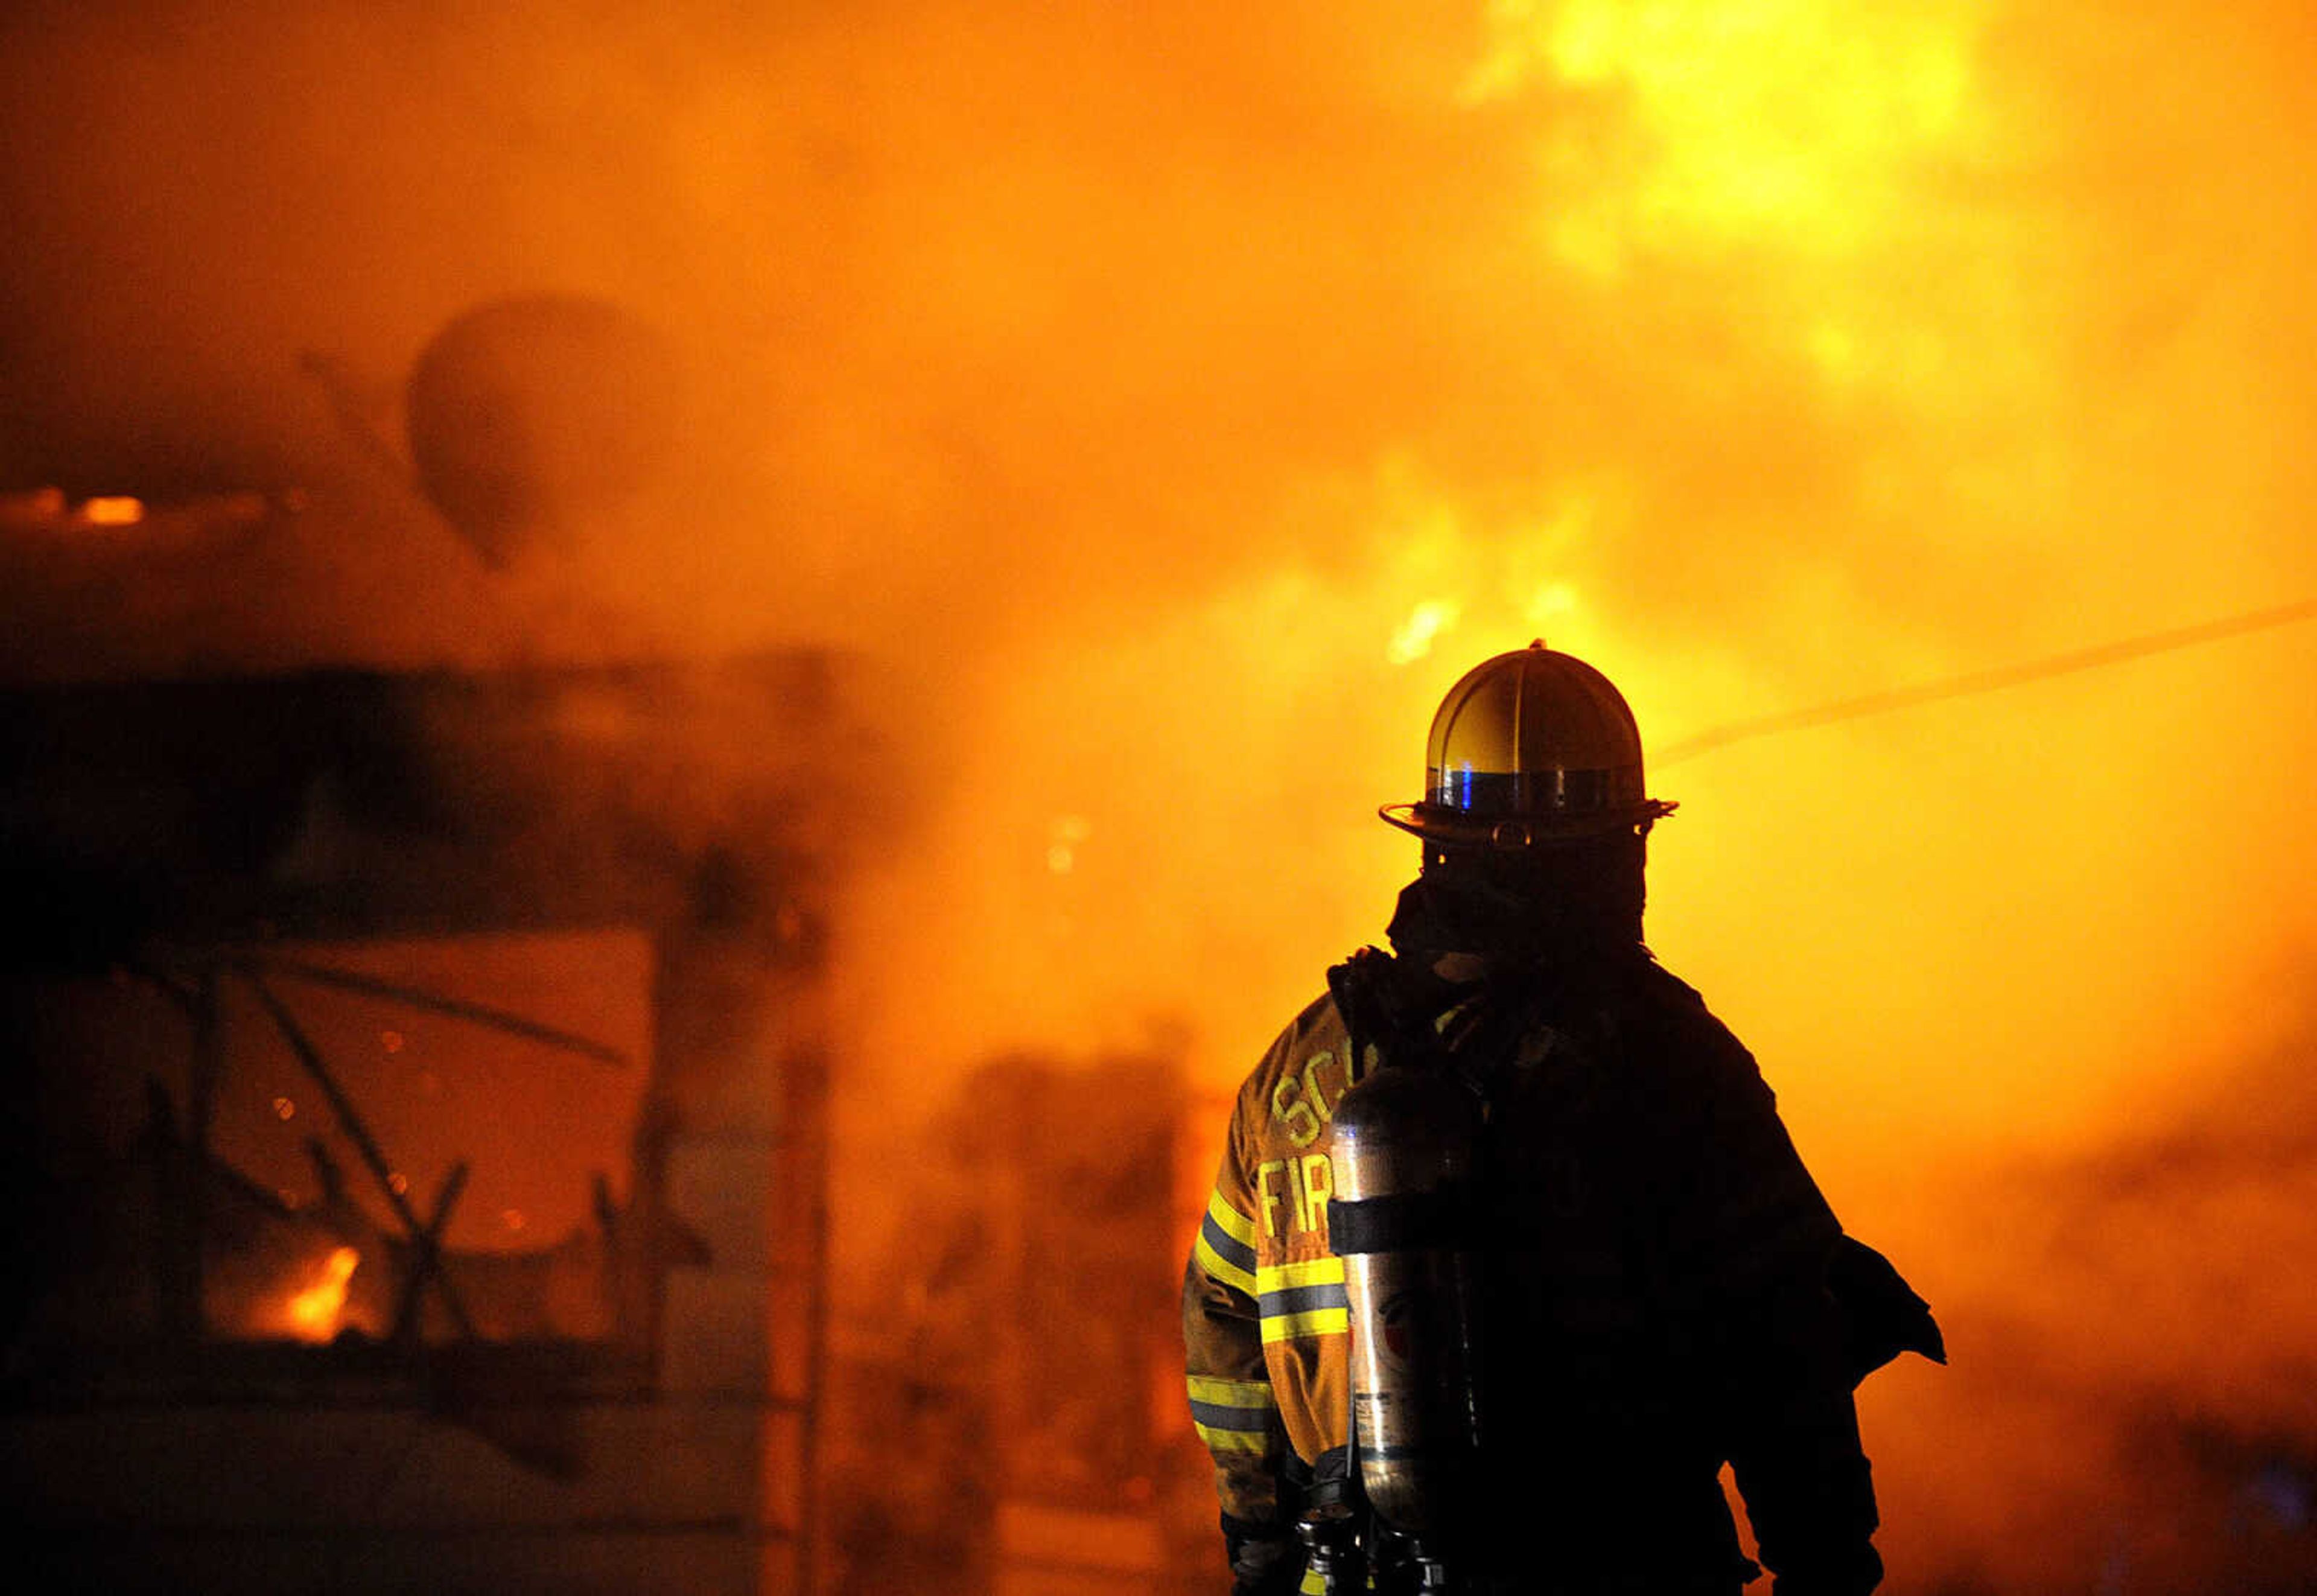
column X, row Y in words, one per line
column 1524, row 792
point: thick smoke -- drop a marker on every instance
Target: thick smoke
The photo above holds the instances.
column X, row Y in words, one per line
column 2130, row 1406
column 1168, row 403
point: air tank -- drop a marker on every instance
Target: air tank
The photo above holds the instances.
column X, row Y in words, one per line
column 1405, row 1142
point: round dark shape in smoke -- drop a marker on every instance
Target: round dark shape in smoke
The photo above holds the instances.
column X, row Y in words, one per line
column 528, row 416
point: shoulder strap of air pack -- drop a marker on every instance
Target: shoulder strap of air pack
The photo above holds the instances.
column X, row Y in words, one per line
column 1390, row 1008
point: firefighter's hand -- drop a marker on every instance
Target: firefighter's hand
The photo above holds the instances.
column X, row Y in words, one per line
column 1264, row 1560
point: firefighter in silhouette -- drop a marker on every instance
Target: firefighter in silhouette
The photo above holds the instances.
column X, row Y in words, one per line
column 1509, row 1253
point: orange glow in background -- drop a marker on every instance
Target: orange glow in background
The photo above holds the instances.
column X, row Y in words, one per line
column 1168, row 409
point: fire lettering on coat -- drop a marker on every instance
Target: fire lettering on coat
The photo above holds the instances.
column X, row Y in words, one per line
column 1309, row 1181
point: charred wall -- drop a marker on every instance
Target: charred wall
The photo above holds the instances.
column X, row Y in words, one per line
column 290, row 969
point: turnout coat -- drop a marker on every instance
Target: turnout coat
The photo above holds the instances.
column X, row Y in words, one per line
column 1654, row 1263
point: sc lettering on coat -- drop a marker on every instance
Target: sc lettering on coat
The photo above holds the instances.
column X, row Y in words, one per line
column 1304, row 1100
column 1302, row 1104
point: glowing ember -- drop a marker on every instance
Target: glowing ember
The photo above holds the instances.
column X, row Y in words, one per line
column 314, row 1312
column 113, row 512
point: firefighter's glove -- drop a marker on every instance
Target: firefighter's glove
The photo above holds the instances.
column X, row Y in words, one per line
column 1264, row 1560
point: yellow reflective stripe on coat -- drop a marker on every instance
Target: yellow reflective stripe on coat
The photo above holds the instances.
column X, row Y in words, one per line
column 1255, row 1443
column 1226, row 1245
column 1302, row 1298
column 1234, row 1415
column 1231, row 1394
column 1308, row 1271
column 1235, row 1225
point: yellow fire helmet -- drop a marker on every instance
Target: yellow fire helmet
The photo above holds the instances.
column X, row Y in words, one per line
column 1532, row 748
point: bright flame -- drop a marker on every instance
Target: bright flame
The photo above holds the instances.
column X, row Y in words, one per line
column 1417, row 634
column 314, row 1312
column 1747, row 116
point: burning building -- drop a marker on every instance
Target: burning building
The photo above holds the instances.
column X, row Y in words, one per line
column 424, row 1167
column 1101, row 434
column 422, row 1085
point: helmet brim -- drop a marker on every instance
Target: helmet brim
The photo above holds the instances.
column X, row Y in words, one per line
column 1452, row 828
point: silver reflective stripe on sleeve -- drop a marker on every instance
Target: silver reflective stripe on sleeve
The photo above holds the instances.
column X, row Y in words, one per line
column 1303, row 1299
